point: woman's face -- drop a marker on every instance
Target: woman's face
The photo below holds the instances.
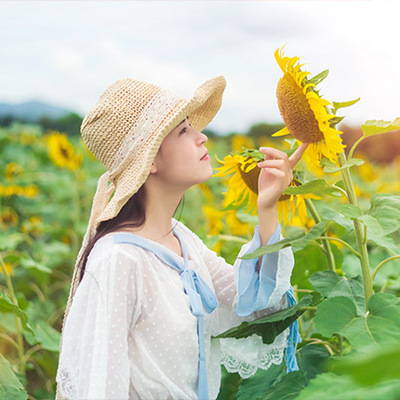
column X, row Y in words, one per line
column 182, row 159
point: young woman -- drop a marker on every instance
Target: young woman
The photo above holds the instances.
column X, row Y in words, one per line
column 147, row 294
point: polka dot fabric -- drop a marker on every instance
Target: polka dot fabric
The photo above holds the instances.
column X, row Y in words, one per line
column 130, row 334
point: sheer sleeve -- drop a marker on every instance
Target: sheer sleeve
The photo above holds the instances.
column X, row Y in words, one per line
column 246, row 292
column 94, row 360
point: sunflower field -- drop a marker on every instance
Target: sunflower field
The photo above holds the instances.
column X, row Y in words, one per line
column 341, row 216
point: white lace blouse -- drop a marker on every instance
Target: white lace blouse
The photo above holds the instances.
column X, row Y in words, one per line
column 130, row 333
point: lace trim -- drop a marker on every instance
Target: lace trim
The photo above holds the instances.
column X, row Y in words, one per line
column 267, row 354
column 66, row 390
column 246, row 370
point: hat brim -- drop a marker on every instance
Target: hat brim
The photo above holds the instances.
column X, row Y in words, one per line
column 200, row 109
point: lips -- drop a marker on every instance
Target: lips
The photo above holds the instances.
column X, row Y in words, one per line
column 204, row 156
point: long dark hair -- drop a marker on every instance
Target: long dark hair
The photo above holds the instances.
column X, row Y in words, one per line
column 131, row 215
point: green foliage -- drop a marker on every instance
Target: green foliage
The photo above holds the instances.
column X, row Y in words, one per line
column 10, row 387
column 346, row 352
column 272, row 325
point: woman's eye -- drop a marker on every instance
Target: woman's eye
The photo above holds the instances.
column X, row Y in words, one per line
column 182, row 131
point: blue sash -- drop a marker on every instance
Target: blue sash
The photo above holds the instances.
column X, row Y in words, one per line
column 198, row 291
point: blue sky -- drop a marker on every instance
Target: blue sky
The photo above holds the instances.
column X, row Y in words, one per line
column 68, row 52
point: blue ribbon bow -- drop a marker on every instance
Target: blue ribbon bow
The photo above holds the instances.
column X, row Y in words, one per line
column 193, row 285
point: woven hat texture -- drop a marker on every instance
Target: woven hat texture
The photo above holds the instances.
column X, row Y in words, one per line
column 123, row 111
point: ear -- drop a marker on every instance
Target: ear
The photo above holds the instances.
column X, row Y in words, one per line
column 153, row 168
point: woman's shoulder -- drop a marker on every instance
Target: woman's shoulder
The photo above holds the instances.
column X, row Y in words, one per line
column 106, row 249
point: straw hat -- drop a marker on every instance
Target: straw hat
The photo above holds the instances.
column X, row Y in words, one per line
column 124, row 131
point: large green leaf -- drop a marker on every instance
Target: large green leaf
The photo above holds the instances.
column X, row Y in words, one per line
column 318, row 187
column 298, row 242
column 313, row 359
column 380, row 326
column 329, row 386
column 10, row 387
column 273, row 324
column 254, row 387
column 330, row 214
column 385, row 208
column 330, row 284
column 330, row 167
column 287, row 387
column 376, row 234
column 375, row 127
column 378, row 365
column 334, row 314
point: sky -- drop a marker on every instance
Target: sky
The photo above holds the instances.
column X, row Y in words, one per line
column 68, row 52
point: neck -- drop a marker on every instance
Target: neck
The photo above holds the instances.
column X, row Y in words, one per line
column 160, row 205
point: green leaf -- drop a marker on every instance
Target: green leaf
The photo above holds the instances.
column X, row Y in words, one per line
column 317, row 187
column 385, row 208
column 319, row 78
column 378, row 365
column 376, row 234
column 298, row 242
column 47, row 336
column 375, row 127
column 10, row 387
column 330, row 167
column 330, row 284
column 334, row 314
column 343, row 104
column 349, row 210
column 381, row 325
column 32, row 264
column 6, row 305
column 329, row 386
column 255, row 386
column 11, row 241
column 313, row 360
column 329, row 214
column 287, row 387
column 273, row 324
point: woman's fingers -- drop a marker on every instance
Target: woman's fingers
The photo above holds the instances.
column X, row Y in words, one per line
column 271, row 153
column 296, row 156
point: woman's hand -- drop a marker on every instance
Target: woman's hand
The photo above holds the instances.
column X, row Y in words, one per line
column 275, row 175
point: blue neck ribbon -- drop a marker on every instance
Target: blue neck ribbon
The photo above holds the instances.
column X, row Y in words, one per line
column 198, row 291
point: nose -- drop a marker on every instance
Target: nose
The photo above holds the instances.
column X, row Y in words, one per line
column 202, row 138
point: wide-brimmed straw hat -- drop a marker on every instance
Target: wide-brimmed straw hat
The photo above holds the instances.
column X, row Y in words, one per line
column 124, row 131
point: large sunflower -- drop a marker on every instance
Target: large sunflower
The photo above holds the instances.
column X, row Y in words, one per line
column 305, row 114
column 243, row 187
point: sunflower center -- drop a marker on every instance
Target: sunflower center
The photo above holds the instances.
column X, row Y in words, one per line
column 296, row 111
column 250, row 178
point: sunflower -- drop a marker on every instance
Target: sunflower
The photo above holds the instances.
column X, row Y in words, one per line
column 243, row 187
column 305, row 113
column 62, row 152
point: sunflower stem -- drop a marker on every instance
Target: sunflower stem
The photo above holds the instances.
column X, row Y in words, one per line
column 358, row 228
column 327, row 246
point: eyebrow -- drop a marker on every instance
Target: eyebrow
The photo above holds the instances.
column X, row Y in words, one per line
column 183, row 121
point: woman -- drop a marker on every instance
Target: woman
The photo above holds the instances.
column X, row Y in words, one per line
column 147, row 294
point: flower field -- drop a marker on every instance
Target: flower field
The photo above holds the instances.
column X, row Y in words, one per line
column 47, row 184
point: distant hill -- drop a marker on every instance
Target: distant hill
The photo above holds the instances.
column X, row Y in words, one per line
column 32, row 111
